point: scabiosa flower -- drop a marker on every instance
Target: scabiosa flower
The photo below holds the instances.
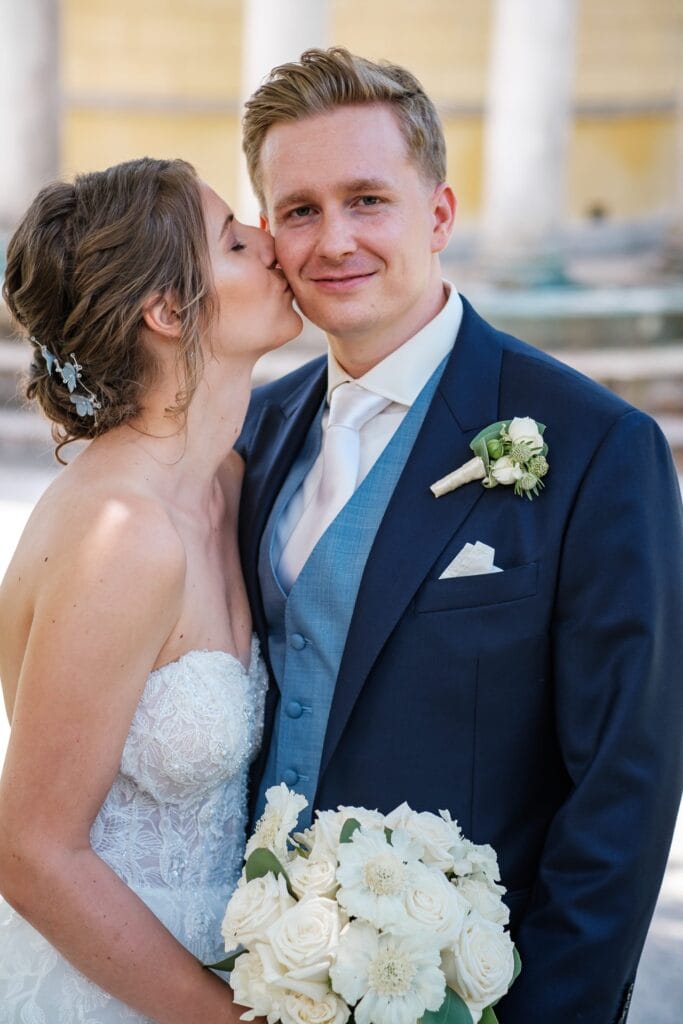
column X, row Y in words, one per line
column 538, row 465
column 393, row 980
column 375, row 875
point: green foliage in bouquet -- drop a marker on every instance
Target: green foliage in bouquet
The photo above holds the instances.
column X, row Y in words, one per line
column 350, row 826
column 454, row 1010
column 259, row 863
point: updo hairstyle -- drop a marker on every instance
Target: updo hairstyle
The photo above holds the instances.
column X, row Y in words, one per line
column 80, row 265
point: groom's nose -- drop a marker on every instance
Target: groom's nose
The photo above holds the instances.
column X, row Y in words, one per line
column 335, row 238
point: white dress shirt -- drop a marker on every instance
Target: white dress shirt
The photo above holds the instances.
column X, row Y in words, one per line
column 399, row 377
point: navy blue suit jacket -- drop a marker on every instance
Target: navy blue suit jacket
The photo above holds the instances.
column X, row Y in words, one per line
column 541, row 705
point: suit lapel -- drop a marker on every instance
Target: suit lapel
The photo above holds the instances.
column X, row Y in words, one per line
column 416, row 526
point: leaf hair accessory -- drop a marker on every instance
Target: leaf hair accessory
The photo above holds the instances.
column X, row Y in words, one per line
column 85, row 400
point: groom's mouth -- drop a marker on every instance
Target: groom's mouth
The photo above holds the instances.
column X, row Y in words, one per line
column 342, row 282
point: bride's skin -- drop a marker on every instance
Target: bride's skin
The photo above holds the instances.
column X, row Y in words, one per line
column 129, row 560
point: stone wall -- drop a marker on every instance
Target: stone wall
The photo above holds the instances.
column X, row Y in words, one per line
column 163, row 77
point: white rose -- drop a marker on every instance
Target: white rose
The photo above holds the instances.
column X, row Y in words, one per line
column 304, row 940
column 440, row 836
column 480, row 965
column 279, row 980
column 326, row 830
column 524, row 429
column 483, row 898
column 314, row 876
column 253, row 907
column 431, row 908
column 250, row 989
column 505, row 471
column 278, row 819
column 299, row 1009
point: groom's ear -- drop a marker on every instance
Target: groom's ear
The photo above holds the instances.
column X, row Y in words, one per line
column 263, row 222
column 444, row 206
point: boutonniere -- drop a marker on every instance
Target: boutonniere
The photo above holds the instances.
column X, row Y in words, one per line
column 511, row 452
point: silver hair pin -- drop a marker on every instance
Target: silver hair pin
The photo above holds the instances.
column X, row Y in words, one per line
column 85, row 400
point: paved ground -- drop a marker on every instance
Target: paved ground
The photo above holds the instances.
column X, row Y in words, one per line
column 659, row 989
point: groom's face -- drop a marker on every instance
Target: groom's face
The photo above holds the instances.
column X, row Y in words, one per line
column 356, row 225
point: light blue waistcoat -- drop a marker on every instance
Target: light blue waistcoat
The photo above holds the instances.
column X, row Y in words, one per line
column 307, row 629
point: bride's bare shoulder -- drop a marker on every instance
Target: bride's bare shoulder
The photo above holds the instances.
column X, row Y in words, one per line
column 96, row 548
column 92, row 516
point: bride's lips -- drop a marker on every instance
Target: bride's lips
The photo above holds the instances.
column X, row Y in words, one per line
column 345, row 283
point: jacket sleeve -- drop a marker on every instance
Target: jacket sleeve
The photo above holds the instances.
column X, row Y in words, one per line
column 617, row 640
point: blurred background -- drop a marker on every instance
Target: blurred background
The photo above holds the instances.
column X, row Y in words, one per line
column 564, row 126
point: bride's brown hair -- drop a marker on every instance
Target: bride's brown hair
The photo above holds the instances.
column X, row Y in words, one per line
column 79, row 267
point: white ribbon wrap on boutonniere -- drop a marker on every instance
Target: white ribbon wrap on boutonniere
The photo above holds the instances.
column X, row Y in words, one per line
column 510, row 452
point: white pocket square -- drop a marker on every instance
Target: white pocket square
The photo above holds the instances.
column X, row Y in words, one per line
column 472, row 560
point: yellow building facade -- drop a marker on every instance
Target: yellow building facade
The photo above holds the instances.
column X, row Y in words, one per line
column 162, row 77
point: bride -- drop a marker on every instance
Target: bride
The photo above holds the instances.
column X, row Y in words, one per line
column 130, row 675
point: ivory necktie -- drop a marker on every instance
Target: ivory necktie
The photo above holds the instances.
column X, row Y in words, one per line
column 351, row 406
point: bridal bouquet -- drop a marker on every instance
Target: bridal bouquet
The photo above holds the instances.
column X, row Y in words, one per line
column 379, row 919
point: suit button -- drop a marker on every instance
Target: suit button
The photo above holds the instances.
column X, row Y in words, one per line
column 290, row 777
column 297, row 641
column 294, row 709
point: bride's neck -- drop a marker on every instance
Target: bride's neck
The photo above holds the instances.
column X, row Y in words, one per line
column 190, row 448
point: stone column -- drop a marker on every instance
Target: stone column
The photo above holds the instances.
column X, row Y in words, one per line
column 526, row 135
column 29, row 104
column 672, row 261
column 275, row 31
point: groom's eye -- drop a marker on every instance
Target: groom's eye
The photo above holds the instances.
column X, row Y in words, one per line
column 301, row 211
column 369, row 200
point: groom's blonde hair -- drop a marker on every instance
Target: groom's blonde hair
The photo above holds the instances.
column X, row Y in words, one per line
column 324, row 79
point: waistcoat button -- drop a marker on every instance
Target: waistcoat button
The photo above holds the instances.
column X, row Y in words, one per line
column 297, row 641
column 290, row 777
column 294, row 709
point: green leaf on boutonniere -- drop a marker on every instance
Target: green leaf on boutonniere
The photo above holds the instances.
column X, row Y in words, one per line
column 262, row 862
column 225, row 965
column 479, row 444
column 453, row 1010
column 350, row 826
column 488, row 1016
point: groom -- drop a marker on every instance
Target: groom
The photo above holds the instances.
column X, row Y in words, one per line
column 541, row 704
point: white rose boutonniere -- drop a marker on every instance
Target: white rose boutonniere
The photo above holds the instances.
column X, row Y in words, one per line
column 511, row 452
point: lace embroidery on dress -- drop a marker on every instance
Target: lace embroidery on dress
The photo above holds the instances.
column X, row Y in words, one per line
column 172, row 827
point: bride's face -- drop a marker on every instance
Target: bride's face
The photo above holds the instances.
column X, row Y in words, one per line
column 253, row 300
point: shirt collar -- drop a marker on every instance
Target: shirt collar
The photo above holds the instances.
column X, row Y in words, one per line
column 402, row 374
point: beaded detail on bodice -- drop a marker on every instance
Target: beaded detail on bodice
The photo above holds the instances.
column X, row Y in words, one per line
column 176, row 814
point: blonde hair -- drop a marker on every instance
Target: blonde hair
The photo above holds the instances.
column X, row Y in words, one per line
column 325, row 79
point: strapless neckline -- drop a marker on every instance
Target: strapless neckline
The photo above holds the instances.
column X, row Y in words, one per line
column 196, row 652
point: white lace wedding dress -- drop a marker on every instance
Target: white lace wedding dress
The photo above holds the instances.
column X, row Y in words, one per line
column 172, row 827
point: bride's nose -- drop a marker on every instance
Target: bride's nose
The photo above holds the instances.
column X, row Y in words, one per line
column 264, row 244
